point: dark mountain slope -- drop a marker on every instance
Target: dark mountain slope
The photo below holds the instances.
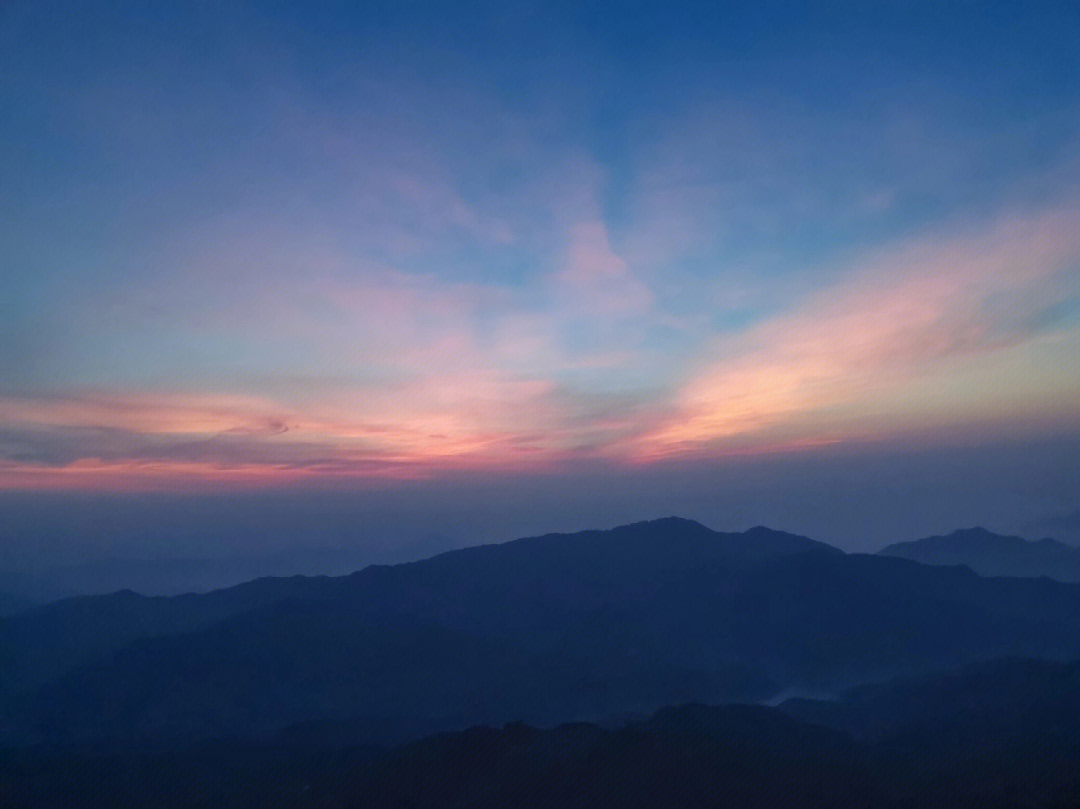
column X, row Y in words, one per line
column 823, row 621
column 1011, row 694
column 567, row 627
column 689, row 756
column 255, row 674
column 45, row 642
column 817, row 620
column 990, row 554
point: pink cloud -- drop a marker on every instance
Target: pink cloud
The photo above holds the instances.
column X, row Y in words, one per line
column 895, row 320
column 420, row 375
column 177, row 413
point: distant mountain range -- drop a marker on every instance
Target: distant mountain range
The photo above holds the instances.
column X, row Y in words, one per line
column 18, row 591
column 593, row 625
column 172, row 576
column 23, row 584
column 990, row 554
column 13, row 604
column 1064, row 526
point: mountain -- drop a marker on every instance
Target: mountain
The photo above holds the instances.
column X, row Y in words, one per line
column 257, row 673
column 588, row 568
column 548, row 629
column 683, row 757
column 983, row 699
column 948, row 748
column 43, row 643
column 990, row 554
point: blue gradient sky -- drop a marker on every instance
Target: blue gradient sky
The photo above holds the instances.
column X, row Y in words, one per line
column 295, row 245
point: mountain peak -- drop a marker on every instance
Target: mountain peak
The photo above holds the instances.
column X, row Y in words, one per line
column 671, row 521
column 975, row 532
column 991, row 554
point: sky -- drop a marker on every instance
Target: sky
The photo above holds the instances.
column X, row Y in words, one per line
column 543, row 264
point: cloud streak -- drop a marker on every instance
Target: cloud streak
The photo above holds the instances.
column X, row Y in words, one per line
column 472, row 380
column 894, row 321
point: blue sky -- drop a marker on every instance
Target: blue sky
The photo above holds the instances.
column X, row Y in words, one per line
column 349, row 245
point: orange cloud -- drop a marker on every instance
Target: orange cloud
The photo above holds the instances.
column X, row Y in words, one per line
column 894, row 320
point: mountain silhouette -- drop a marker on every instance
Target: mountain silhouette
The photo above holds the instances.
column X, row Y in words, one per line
column 990, row 554
column 932, row 742
column 982, row 698
column 589, row 567
column 547, row 629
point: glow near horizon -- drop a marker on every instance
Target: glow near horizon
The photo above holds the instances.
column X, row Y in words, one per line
column 368, row 270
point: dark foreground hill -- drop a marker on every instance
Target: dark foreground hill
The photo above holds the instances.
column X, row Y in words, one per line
column 984, row 699
column 990, row 554
column 551, row 629
column 940, row 755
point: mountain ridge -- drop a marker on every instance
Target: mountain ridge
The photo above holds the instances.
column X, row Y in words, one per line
column 992, row 554
column 50, row 639
column 571, row 626
column 944, row 753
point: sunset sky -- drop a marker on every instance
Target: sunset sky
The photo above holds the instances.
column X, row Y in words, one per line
column 290, row 245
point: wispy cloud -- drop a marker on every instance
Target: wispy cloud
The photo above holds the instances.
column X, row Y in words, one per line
column 476, row 376
column 897, row 318
column 597, row 281
column 359, row 266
